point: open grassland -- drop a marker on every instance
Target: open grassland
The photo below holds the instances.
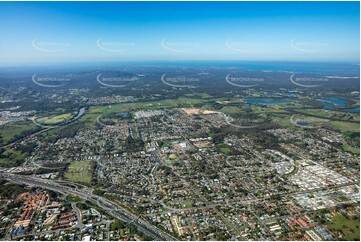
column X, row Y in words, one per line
column 324, row 113
column 10, row 131
column 275, row 112
column 126, row 107
column 345, row 126
column 349, row 227
column 184, row 102
column 354, row 150
column 80, row 171
column 56, row 119
column 10, row 158
column 285, row 120
column 282, row 119
column 231, row 110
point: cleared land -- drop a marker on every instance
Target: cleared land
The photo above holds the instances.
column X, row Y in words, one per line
column 11, row 157
column 10, row 131
column 80, row 171
column 56, row 119
column 348, row 226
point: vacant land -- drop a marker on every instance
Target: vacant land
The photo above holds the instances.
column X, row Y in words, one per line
column 56, row 119
column 11, row 157
column 354, row 150
column 80, row 171
column 349, row 227
column 168, row 103
column 11, row 131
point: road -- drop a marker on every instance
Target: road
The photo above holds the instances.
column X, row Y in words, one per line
column 80, row 113
column 78, row 216
column 108, row 206
column 194, row 190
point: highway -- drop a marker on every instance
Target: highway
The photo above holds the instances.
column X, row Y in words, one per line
column 108, row 206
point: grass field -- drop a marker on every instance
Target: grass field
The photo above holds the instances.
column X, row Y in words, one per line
column 187, row 203
column 10, row 158
column 349, row 227
column 354, row 150
column 284, row 120
column 331, row 114
column 231, row 110
column 345, row 126
column 168, row 103
column 80, row 171
column 73, row 198
column 9, row 131
column 224, row 148
column 56, row 119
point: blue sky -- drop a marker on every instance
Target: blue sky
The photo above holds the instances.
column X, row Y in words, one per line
column 107, row 31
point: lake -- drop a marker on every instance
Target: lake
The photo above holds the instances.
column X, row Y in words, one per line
column 338, row 101
column 302, row 123
column 352, row 110
column 328, row 103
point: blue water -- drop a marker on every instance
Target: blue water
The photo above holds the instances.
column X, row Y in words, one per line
column 352, row 110
column 328, row 103
column 322, row 68
column 302, row 123
column 338, row 101
column 267, row 101
column 328, row 106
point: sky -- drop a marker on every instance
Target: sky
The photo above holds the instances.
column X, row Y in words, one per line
column 33, row 32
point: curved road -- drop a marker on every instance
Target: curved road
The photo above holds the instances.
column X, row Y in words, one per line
column 108, row 206
column 80, row 113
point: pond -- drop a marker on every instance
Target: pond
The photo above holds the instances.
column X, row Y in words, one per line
column 302, row 123
column 338, row 101
column 328, row 103
column 352, row 110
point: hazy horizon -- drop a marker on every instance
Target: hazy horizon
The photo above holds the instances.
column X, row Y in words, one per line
column 36, row 32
